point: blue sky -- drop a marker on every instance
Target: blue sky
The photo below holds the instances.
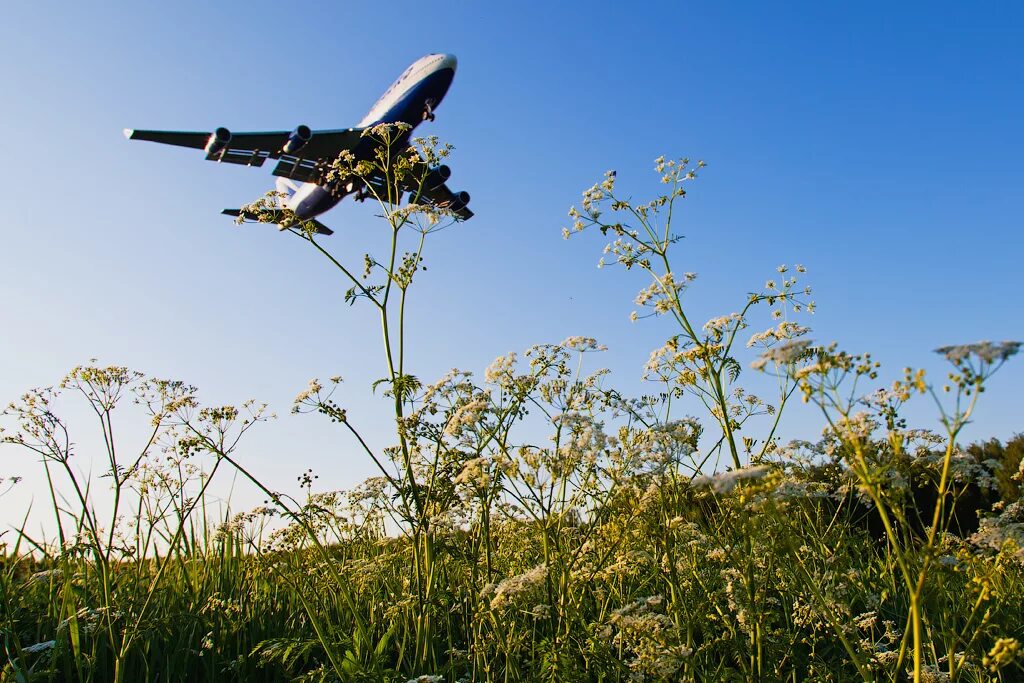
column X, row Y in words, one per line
column 877, row 143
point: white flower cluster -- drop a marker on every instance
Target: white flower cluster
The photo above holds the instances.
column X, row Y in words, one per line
column 717, row 327
column 36, row 648
column 475, row 474
column 784, row 354
column 723, row 482
column 501, row 370
column 467, row 415
column 986, row 351
column 1003, row 532
column 783, row 331
column 512, row 589
column 582, row 344
column 651, row 637
column 311, row 391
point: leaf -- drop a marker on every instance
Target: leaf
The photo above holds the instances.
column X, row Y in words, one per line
column 288, row 652
column 382, row 644
column 732, row 367
column 74, row 633
column 350, row 665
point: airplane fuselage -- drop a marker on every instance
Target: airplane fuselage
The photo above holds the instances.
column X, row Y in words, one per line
column 410, row 99
column 303, row 156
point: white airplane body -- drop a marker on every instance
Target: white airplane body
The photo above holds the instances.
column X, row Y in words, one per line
column 304, row 155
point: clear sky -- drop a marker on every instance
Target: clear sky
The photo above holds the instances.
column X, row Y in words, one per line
column 877, row 143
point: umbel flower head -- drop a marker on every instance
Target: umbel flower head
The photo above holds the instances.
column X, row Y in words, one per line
column 724, row 482
column 985, row 351
column 1002, row 653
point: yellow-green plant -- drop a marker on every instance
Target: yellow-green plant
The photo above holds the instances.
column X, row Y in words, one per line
column 415, row 471
column 697, row 361
column 112, row 551
column 531, row 523
column 871, row 439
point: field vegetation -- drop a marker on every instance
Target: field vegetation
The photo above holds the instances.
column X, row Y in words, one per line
column 531, row 522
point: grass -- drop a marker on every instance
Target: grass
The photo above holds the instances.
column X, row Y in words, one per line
column 613, row 549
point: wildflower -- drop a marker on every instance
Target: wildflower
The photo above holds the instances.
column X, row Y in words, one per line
column 1002, row 653
column 580, row 343
column 784, row 330
column 988, row 352
column 783, row 354
column 724, row 482
column 501, row 369
column 467, row 415
column 1005, row 530
column 474, row 473
column 717, row 327
column 40, row 647
column 312, row 390
column 866, row 621
column 541, row 611
column 931, row 673
column 515, row 586
column 608, row 184
column 46, row 576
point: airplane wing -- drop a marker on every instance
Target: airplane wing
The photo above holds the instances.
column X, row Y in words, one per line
column 301, row 154
column 252, row 149
column 318, row 227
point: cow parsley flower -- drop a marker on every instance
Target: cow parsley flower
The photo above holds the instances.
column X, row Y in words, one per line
column 724, row 482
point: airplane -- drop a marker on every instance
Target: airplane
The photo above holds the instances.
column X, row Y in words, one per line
column 304, row 156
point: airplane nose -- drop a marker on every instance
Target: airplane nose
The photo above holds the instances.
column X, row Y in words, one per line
column 449, row 62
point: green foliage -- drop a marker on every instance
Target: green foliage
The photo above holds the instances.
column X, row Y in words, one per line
column 532, row 523
column 1008, row 458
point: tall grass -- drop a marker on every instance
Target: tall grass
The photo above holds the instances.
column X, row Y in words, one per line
column 534, row 524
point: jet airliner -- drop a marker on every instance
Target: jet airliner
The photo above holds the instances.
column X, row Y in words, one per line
column 303, row 155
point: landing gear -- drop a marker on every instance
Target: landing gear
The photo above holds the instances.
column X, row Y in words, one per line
column 355, row 188
column 428, row 109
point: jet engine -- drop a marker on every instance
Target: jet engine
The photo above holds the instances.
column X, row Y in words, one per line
column 298, row 139
column 437, row 177
column 459, row 201
column 218, row 142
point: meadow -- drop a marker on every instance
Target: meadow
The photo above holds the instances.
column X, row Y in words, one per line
column 531, row 522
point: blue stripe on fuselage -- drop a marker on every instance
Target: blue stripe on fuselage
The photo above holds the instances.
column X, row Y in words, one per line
column 319, row 199
column 409, row 110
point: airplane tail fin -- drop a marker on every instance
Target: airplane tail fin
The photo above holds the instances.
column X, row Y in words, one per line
column 245, row 215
